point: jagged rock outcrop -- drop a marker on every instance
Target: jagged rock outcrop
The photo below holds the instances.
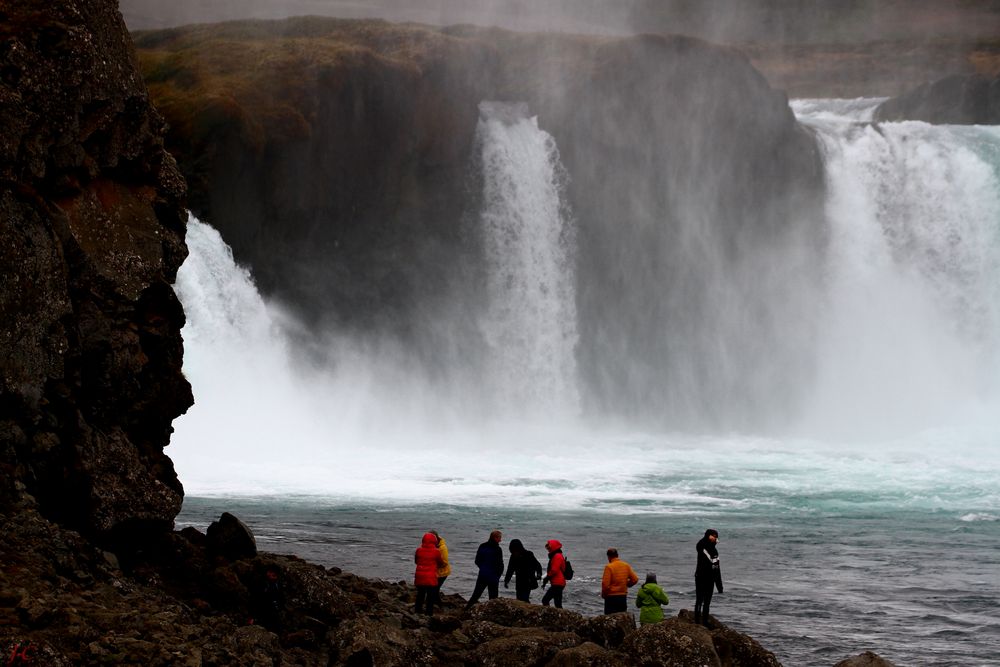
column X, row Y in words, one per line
column 92, row 235
column 955, row 100
column 338, row 159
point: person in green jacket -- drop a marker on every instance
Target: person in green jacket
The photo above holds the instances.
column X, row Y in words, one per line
column 648, row 600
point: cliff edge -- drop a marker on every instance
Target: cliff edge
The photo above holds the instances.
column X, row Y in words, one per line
column 93, row 234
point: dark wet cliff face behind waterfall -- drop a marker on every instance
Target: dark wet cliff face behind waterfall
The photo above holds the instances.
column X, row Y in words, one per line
column 700, row 234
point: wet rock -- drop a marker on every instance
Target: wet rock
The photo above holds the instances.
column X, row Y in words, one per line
column 672, row 643
column 516, row 614
column 365, row 642
column 524, row 646
column 588, row 654
column 866, row 659
column 230, row 538
column 735, row 648
column 609, row 630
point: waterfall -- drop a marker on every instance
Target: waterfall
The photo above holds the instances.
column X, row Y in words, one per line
column 529, row 324
column 911, row 333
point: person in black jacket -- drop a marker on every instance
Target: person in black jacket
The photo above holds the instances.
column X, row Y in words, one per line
column 707, row 575
column 489, row 558
column 525, row 567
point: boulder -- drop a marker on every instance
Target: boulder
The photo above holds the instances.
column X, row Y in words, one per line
column 587, row 654
column 739, row 650
column 524, row 647
column 365, row 642
column 517, row 614
column 230, row 538
column 609, row 630
column 866, row 659
column 672, row 643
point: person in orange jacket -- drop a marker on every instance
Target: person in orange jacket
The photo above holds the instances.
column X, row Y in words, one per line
column 428, row 560
column 555, row 574
column 618, row 577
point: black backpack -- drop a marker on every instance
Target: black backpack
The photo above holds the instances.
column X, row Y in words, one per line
column 568, row 569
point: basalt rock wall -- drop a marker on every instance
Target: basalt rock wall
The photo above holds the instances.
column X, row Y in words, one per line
column 92, row 231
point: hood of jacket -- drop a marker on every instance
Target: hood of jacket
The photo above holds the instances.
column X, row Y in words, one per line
column 553, row 545
column 430, row 540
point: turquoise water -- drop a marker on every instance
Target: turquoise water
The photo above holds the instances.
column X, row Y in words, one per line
column 815, row 581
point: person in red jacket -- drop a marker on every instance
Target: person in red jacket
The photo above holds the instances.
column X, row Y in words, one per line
column 428, row 560
column 556, row 574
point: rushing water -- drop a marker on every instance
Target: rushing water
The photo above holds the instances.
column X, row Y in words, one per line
column 530, row 322
column 874, row 524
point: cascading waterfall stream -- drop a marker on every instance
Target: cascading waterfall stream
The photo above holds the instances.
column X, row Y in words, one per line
column 911, row 336
column 530, row 323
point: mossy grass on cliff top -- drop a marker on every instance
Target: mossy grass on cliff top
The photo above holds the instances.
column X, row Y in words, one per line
column 259, row 78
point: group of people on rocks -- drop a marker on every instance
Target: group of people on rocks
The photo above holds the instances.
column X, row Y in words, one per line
column 523, row 567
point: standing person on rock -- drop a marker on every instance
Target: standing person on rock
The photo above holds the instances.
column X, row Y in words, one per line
column 525, row 567
column 555, row 574
column 648, row 600
column 428, row 560
column 707, row 575
column 444, row 571
column 489, row 558
column 618, row 577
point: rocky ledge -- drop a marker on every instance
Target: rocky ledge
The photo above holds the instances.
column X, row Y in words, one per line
column 972, row 99
column 187, row 598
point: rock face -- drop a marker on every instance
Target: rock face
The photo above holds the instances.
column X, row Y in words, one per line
column 92, row 235
column 954, row 100
column 356, row 197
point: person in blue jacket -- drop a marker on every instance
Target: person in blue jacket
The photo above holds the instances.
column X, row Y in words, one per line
column 489, row 558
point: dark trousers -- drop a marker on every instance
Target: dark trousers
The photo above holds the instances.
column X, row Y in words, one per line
column 554, row 594
column 615, row 603
column 482, row 583
column 437, row 591
column 703, row 591
column 426, row 596
column 523, row 592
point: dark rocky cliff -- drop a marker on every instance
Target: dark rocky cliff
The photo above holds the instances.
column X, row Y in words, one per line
column 336, row 157
column 93, row 234
column 957, row 100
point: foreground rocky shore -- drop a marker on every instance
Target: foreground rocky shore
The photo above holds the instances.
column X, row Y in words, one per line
column 186, row 598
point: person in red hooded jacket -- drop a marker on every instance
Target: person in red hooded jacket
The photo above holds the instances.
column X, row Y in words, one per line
column 555, row 575
column 428, row 560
